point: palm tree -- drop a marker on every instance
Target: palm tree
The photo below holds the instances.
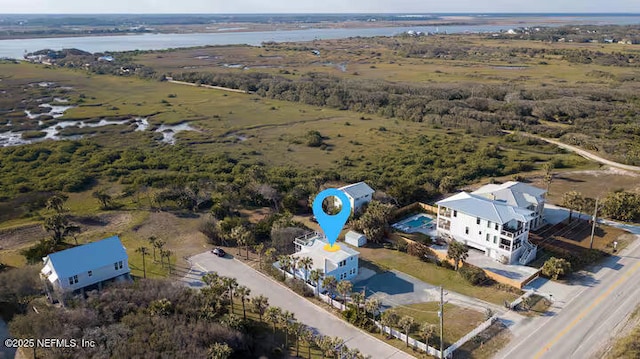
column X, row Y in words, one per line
column 219, row 351
column 294, row 265
column 298, row 330
column 287, row 319
column 269, row 255
column 306, row 263
column 406, row 323
column 243, row 294
column 56, row 202
column 548, row 174
column 260, row 305
column 259, row 248
column 144, row 252
column 166, row 254
column 330, row 283
column 152, row 240
column 158, row 244
column 344, row 288
column 315, row 277
column 285, row 264
column 273, row 315
column 211, row 278
column 357, row 298
column 458, row 252
column 372, row 305
column 230, row 284
column 389, row 319
column 308, row 337
column 242, row 237
column 426, row 331
column 325, row 344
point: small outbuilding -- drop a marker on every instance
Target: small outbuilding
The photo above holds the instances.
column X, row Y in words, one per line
column 355, row 239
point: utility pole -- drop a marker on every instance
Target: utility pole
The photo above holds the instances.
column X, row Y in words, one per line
column 441, row 322
column 593, row 226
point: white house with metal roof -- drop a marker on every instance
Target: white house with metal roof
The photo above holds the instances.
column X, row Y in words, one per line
column 90, row 264
column 359, row 194
column 341, row 264
column 495, row 219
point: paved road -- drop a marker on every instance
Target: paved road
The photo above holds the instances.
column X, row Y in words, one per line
column 305, row 311
column 583, row 153
column 588, row 315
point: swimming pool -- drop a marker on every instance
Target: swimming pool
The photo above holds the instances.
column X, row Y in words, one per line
column 420, row 221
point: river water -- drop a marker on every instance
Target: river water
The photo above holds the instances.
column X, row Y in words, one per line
column 17, row 48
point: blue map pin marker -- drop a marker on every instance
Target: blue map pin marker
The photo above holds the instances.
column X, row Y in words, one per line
column 331, row 224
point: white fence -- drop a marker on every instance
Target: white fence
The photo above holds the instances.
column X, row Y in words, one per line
column 486, row 324
column 412, row 342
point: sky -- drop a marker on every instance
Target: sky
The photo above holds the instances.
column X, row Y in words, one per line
column 315, row 6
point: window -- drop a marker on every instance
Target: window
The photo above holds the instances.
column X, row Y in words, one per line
column 75, row 279
column 488, row 224
column 120, row 264
column 496, row 226
column 479, row 233
column 70, row 280
column 90, row 273
column 455, row 213
column 466, row 230
column 115, row 265
column 477, row 220
column 495, row 239
column 487, row 237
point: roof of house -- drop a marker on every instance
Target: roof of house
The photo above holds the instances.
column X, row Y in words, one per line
column 480, row 206
column 512, row 193
column 87, row 257
column 357, row 190
column 354, row 235
column 315, row 250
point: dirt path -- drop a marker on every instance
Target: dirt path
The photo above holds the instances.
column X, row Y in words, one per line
column 581, row 152
column 169, row 79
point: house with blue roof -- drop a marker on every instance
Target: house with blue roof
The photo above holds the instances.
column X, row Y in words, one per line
column 359, row 194
column 91, row 264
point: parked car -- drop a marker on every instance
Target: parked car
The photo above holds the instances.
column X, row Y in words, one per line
column 219, row 252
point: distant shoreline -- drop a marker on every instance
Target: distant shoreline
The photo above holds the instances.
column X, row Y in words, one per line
column 444, row 20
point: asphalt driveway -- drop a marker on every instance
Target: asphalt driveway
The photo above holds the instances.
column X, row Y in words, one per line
column 281, row 296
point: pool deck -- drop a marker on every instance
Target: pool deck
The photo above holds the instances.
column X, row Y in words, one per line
column 429, row 230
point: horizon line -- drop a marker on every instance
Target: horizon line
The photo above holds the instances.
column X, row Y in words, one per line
column 332, row 13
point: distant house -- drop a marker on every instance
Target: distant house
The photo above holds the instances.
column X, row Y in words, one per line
column 107, row 58
column 315, row 52
column 84, row 266
column 359, row 194
column 341, row 264
column 495, row 219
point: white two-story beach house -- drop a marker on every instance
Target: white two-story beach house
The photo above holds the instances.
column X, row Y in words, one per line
column 359, row 194
column 341, row 264
column 495, row 219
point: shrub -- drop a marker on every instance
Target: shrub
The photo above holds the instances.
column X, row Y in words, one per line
column 402, row 245
column 556, row 267
column 473, row 274
column 299, row 287
column 419, row 250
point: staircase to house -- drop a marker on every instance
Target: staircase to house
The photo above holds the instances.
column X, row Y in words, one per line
column 529, row 253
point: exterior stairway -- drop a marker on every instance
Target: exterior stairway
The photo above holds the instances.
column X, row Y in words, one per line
column 529, row 253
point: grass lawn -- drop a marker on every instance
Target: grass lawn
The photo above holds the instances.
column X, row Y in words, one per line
column 458, row 321
column 486, row 344
column 432, row 274
column 539, row 306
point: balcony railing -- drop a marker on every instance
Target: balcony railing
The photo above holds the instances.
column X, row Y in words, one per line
column 511, row 233
column 445, row 212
